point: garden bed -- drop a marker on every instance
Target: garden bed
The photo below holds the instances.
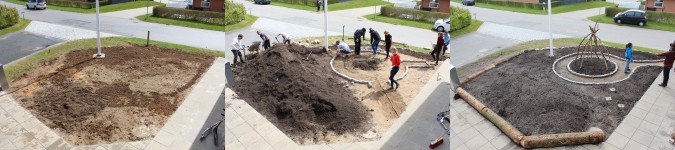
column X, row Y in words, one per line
column 513, row 90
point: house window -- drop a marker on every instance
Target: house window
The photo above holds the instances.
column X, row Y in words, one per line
column 658, row 3
column 206, row 3
column 433, row 4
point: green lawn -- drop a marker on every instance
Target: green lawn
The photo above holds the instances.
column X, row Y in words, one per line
column 16, row 27
column 475, row 24
column 650, row 25
column 554, row 10
column 22, row 66
column 102, row 9
column 335, row 7
column 191, row 24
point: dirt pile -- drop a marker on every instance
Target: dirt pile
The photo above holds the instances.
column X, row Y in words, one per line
column 303, row 98
column 126, row 96
column 368, row 64
column 592, row 66
column 514, row 90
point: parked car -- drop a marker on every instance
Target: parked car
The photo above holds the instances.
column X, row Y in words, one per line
column 468, row 2
column 36, row 4
column 638, row 17
column 442, row 25
column 262, row 1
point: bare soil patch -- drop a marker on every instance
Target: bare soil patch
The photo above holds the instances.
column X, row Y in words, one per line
column 588, row 68
column 514, row 90
column 366, row 64
column 125, row 97
column 312, row 105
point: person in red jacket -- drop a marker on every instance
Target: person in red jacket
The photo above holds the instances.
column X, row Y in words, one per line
column 667, row 64
column 395, row 63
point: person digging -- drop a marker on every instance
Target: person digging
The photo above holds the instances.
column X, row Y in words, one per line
column 395, row 63
column 266, row 40
column 387, row 43
column 342, row 49
column 374, row 41
column 236, row 47
column 286, row 38
column 667, row 64
column 358, row 34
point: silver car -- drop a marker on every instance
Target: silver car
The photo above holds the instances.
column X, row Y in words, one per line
column 36, row 4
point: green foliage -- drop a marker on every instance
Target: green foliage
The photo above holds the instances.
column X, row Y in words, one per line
column 305, row 2
column 537, row 6
column 236, row 12
column 459, row 17
column 76, row 4
column 8, row 16
column 653, row 16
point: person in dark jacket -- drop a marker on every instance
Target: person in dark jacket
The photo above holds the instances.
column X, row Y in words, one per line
column 374, row 41
column 667, row 64
column 266, row 40
column 435, row 54
column 358, row 39
column 318, row 5
column 387, row 43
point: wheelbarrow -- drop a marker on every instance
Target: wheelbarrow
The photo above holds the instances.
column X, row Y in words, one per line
column 255, row 47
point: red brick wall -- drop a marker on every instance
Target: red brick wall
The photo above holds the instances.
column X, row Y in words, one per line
column 216, row 5
column 668, row 5
column 443, row 6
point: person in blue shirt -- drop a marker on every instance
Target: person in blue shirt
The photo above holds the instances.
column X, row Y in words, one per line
column 629, row 56
column 446, row 37
column 342, row 48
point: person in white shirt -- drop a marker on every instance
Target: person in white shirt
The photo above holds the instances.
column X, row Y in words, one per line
column 342, row 48
column 236, row 47
column 286, row 37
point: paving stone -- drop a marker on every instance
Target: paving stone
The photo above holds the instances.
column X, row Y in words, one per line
column 617, row 140
column 659, row 110
column 180, row 144
column 455, row 141
column 25, row 139
column 250, row 139
column 488, row 146
column 312, row 147
column 490, row 133
column 234, row 123
column 47, row 138
column 661, row 143
column 625, row 130
column 30, row 123
column 8, row 147
column 242, row 130
column 154, row 145
column 286, row 144
column 643, row 105
column 633, row 145
column 632, row 121
column 140, row 144
column 648, row 128
column 468, row 134
column 259, row 145
column 642, row 137
column 476, row 142
column 639, row 113
column 164, row 138
column 339, row 146
column 60, row 144
column 235, row 146
column 128, row 147
column 500, row 141
column 462, row 147
column 607, row 146
column 356, row 147
column 653, row 118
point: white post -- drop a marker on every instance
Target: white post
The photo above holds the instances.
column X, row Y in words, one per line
column 98, row 34
column 325, row 23
column 550, row 32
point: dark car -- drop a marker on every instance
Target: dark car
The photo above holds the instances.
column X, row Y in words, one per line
column 262, row 1
column 468, row 2
column 638, row 17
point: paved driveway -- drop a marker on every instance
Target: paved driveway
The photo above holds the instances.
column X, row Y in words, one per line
column 20, row 44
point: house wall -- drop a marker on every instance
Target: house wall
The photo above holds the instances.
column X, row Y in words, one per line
column 216, row 5
column 443, row 6
column 668, row 5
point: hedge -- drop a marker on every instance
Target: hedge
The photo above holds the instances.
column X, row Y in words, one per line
column 77, row 4
column 306, row 2
column 660, row 17
column 537, row 6
column 235, row 14
column 460, row 17
column 8, row 16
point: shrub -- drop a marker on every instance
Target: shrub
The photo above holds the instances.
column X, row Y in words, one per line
column 306, row 2
column 235, row 14
column 77, row 4
column 8, row 16
column 460, row 18
column 660, row 17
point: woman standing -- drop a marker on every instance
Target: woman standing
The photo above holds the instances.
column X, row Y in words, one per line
column 387, row 43
column 629, row 57
column 395, row 63
column 438, row 48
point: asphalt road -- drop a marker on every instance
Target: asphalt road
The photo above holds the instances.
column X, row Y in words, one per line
column 20, row 44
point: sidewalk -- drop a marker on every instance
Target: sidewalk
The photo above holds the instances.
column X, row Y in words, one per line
column 19, row 129
column 414, row 129
column 130, row 13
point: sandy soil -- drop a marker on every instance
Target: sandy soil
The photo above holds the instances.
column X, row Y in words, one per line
column 125, row 97
column 514, row 90
column 358, row 113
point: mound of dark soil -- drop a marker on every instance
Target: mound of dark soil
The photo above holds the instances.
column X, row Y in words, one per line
column 302, row 98
column 366, row 64
column 526, row 92
column 592, row 66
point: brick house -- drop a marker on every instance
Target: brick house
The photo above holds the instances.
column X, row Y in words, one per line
column 436, row 5
column 661, row 5
column 209, row 5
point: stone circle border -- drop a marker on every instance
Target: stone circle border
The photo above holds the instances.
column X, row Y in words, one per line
column 616, row 68
column 610, row 55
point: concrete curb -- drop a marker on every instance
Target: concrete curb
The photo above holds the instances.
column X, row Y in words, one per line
column 616, row 68
column 586, row 83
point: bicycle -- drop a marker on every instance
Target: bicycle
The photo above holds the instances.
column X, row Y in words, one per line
column 213, row 128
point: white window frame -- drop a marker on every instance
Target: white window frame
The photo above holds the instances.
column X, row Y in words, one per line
column 433, row 3
column 657, row 2
column 206, row 3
